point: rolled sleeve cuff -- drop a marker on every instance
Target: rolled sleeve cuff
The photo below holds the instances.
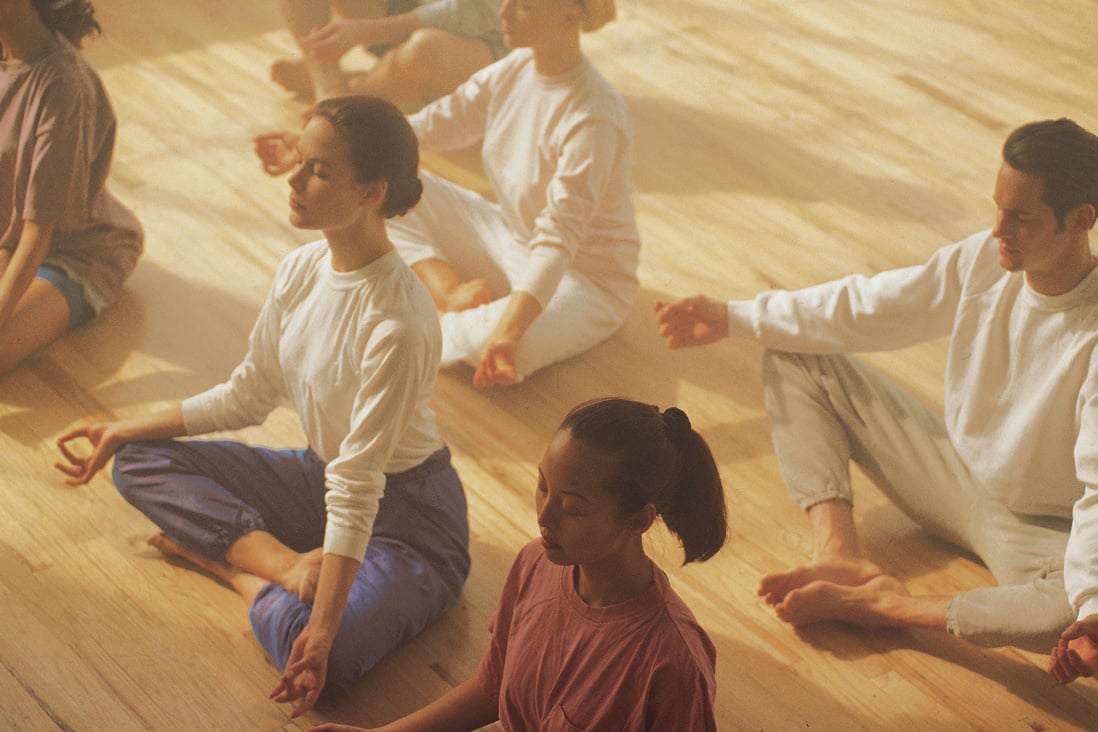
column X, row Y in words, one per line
column 345, row 542
column 543, row 273
column 741, row 318
column 197, row 416
column 1088, row 606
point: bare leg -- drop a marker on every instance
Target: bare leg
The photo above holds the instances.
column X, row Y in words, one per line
column 40, row 317
column 448, row 290
column 430, row 64
column 836, row 557
column 247, row 585
column 841, row 585
column 261, row 554
column 307, row 75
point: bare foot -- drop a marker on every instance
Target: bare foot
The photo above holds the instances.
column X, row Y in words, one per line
column 292, row 74
column 467, row 296
column 170, row 548
column 849, row 572
column 869, row 605
column 304, row 575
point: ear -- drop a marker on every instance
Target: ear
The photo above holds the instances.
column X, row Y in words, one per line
column 1082, row 218
column 373, row 193
column 642, row 520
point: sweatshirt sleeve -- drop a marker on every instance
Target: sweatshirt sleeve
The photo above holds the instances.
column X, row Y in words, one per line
column 890, row 310
column 397, row 367
column 588, row 160
column 457, row 120
column 1081, row 557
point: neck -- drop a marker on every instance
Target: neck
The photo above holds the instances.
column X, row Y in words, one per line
column 1069, row 272
column 25, row 37
column 614, row 581
column 355, row 246
column 556, row 58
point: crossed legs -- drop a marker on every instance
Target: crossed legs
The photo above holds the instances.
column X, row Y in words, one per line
column 829, row 410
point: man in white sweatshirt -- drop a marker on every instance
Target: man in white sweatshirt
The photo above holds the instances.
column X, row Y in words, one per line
column 1018, row 446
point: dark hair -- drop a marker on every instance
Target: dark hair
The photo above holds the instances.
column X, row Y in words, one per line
column 662, row 461
column 382, row 146
column 1064, row 156
column 74, row 19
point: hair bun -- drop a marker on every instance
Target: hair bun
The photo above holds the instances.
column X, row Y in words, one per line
column 597, row 13
column 677, row 424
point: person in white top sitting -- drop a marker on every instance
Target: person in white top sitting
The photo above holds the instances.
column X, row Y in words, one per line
column 1018, row 446
column 550, row 270
column 356, row 543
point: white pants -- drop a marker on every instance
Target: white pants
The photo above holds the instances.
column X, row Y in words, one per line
column 458, row 226
column 828, row 410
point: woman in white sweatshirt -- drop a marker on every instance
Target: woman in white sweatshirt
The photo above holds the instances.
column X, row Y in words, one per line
column 356, row 543
column 550, row 269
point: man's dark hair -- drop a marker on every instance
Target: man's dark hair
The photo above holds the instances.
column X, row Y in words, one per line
column 1064, row 156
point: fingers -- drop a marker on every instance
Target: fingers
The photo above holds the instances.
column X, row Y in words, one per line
column 496, row 367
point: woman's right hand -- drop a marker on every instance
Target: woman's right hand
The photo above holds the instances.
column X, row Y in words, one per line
column 105, row 439
column 277, row 151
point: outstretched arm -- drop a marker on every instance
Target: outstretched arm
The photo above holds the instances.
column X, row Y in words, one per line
column 465, row 707
column 693, row 321
column 1077, row 653
column 107, row 437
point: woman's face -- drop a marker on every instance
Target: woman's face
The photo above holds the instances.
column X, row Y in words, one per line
column 324, row 193
column 530, row 23
column 581, row 522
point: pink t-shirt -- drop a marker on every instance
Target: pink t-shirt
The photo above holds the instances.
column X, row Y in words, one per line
column 56, row 141
column 556, row 663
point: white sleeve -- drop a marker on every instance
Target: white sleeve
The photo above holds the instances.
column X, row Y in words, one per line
column 890, row 310
column 458, row 119
column 396, row 369
column 588, row 160
column 1081, row 557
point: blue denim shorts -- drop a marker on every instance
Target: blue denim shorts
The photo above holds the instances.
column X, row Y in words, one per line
column 73, row 292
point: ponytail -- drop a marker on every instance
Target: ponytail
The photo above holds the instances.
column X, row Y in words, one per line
column 662, row 460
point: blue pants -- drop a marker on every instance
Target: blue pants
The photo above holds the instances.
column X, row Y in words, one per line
column 207, row 494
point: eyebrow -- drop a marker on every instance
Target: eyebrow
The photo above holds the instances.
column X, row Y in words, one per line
column 541, row 475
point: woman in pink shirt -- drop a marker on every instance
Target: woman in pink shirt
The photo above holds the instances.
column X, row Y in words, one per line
column 66, row 245
column 588, row 633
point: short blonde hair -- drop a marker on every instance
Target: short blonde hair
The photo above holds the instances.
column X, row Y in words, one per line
column 597, row 13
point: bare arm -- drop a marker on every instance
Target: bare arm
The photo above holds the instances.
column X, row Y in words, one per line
column 107, row 437
column 331, row 41
column 306, row 670
column 20, row 269
column 465, row 707
column 497, row 362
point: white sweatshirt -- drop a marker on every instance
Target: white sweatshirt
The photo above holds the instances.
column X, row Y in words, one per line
column 557, row 151
column 1021, row 391
column 357, row 355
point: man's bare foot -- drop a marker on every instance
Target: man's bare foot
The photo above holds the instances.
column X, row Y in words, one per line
column 849, row 572
column 467, row 296
column 171, row 548
column 874, row 604
column 292, row 74
column 304, row 575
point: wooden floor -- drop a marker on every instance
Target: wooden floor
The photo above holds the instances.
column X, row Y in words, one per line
column 779, row 143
